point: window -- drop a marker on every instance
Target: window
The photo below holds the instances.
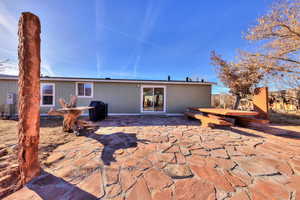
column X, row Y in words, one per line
column 47, row 94
column 84, row 89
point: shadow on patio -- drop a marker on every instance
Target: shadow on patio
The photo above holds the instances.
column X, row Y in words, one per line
column 49, row 187
column 113, row 142
column 147, row 120
column 253, row 131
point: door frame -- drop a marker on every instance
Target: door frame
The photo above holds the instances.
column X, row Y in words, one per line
column 142, row 95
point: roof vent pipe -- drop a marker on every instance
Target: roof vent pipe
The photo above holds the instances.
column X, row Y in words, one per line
column 169, row 78
column 187, row 79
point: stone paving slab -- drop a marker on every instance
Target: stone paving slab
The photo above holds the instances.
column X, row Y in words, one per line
column 161, row 158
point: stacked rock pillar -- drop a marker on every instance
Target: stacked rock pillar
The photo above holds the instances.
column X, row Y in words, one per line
column 29, row 96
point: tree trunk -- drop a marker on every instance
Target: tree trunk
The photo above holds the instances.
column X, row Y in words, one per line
column 29, row 96
column 237, row 102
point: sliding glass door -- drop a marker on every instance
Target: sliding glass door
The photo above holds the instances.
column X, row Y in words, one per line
column 153, row 99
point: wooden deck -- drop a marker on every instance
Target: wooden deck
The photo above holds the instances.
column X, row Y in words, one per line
column 225, row 112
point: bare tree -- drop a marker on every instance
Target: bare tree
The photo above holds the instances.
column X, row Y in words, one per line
column 279, row 33
column 240, row 77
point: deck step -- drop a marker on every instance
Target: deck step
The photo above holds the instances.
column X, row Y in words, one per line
column 208, row 120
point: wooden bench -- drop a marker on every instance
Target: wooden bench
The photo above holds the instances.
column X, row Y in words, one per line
column 208, row 121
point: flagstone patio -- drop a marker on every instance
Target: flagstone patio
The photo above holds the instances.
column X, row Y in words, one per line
column 139, row 158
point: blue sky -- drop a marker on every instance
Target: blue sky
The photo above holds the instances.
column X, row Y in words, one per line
column 144, row 39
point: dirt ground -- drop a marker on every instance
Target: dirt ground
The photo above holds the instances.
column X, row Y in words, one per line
column 51, row 136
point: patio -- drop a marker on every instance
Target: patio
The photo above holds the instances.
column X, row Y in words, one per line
column 164, row 158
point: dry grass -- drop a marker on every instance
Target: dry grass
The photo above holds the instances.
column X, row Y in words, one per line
column 285, row 118
column 51, row 136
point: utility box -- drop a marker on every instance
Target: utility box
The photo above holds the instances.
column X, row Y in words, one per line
column 10, row 105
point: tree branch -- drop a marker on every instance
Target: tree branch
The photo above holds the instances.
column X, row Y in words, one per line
column 289, row 29
column 278, row 58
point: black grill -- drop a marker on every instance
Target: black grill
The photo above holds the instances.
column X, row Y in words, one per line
column 99, row 112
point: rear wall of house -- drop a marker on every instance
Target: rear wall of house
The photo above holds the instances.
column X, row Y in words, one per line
column 121, row 97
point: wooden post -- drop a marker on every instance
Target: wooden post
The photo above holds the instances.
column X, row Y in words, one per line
column 260, row 102
column 29, row 96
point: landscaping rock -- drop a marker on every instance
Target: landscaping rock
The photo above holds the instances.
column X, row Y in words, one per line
column 178, row 171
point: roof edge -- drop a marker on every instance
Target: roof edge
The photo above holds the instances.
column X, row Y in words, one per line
column 106, row 80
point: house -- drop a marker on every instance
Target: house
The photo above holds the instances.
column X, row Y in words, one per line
column 123, row 96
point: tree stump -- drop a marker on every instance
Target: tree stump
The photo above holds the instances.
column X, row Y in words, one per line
column 29, row 96
column 70, row 122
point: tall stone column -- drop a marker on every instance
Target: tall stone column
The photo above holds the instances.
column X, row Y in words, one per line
column 29, row 95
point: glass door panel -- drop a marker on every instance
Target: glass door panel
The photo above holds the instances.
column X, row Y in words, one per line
column 148, row 100
column 153, row 99
column 158, row 99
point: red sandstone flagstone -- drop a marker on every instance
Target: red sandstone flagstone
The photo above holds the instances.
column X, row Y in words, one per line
column 240, row 196
column 54, row 157
column 246, row 150
column 140, row 191
column 193, row 189
column 280, row 165
column 113, row 190
column 295, row 165
column 200, row 152
column 241, row 174
column 268, row 190
column 93, row 185
column 219, row 153
column 157, row 180
column 180, row 159
column 231, row 150
column 185, row 151
column 24, row 194
column 224, row 163
column 235, row 181
column 212, row 145
column 214, row 176
column 172, row 149
column 201, row 161
column 112, row 175
column 294, row 182
column 128, row 178
column 140, row 165
column 256, row 166
column 163, row 195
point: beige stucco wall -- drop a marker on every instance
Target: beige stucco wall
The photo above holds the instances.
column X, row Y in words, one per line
column 123, row 97
column 179, row 97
